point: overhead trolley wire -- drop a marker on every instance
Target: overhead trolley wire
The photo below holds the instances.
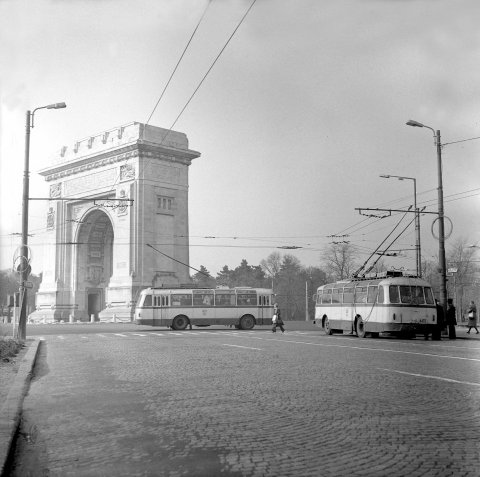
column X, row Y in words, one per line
column 199, row 85
column 178, row 62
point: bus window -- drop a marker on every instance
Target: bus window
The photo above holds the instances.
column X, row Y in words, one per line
column 418, row 298
column 165, row 300
column 157, row 300
column 360, row 294
column 429, row 296
column 224, row 299
column 319, row 296
column 147, row 300
column 336, row 295
column 181, row 299
column 381, row 295
column 405, row 294
column 203, row 298
column 263, row 300
column 348, row 295
column 246, row 299
column 372, row 294
column 327, row 296
column 393, row 293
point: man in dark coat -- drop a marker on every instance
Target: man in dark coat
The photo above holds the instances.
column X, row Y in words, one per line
column 451, row 319
column 437, row 333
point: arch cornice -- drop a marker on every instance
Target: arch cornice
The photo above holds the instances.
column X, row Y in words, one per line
column 141, row 150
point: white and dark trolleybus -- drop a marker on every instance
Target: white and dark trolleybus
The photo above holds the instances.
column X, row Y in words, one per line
column 242, row 307
column 388, row 302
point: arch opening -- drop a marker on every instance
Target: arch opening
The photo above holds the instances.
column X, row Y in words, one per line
column 94, row 262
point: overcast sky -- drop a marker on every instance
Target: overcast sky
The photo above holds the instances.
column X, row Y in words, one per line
column 302, row 112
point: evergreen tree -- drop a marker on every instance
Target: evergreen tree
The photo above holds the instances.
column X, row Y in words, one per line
column 203, row 278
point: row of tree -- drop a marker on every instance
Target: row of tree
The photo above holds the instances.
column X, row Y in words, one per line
column 295, row 284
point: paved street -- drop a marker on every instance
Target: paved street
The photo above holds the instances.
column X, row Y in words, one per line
column 139, row 401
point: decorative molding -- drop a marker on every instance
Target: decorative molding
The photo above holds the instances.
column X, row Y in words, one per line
column 136, row 150
column 123, row 205
column 50, row 219
column 127, row 172
column 55, row 190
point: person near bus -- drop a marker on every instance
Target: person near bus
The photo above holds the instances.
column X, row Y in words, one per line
column 437, row 332
column 451, row 319
column 472, row 317
column 277, row 319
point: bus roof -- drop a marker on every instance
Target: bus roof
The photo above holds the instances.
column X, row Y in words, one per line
column 376, row 278
column 193, row 288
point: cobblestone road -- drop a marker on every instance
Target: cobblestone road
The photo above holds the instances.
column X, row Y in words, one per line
column 208, row 403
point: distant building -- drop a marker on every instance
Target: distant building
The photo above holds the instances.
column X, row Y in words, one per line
column 111, row 195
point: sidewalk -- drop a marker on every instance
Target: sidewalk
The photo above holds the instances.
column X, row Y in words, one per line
column 11, row 407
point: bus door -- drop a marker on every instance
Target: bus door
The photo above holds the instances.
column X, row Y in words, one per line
column 161, row 304
column 265, row 310
column 203, row 312
column 348, row 308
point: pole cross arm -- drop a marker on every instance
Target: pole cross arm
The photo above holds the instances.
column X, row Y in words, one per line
column 394, row 210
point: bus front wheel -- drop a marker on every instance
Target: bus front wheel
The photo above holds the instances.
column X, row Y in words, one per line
column 327, row 327
column 180, row 322
column 360, row 328
column 247, row 322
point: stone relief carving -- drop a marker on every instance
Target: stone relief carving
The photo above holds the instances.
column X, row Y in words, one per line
column 50, row 219
column 122, row 205
column 95, row 274
column 55, row 190
column 127, row 172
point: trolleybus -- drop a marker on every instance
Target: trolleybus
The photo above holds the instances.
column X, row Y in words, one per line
column 242, row 307
column 390, row 302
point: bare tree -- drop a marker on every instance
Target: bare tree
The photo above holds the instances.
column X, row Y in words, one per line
column 338, row 260
column 463, row 271
column 272, row 265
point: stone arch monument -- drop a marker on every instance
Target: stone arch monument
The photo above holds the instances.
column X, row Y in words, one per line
column 110, row 195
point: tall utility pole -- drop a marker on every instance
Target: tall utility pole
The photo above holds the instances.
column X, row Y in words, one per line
column 24, row 264
column 441, row 220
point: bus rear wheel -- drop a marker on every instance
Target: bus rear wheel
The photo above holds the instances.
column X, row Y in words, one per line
column 327, row 327
column 180, row 322
column 247, row 322
column 360, row 328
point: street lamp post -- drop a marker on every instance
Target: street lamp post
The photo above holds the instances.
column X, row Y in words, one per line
column 417, row 220
column 24, row 264
column 441, row 221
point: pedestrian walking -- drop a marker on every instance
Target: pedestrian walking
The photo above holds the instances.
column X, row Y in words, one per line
column 451, row 319
column 472, row 317
column 277, row 319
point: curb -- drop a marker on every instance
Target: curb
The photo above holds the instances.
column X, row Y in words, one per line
column 11, row 410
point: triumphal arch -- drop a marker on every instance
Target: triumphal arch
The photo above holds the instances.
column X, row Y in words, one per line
column 116, row 222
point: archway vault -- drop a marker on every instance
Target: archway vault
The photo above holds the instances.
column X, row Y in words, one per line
column 94, row 261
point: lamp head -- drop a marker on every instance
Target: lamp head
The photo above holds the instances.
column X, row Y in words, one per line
column 411, row 122
column 56, row 106
column 385, row 176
